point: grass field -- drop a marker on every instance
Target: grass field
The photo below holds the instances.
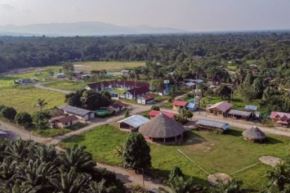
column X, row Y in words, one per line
column 67, row 85
column 24, row 99
column 215, row 153
column 107, row 65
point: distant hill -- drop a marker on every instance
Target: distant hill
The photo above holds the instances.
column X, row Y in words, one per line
column 82, row 29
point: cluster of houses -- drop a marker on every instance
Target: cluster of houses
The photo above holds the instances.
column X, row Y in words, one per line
column 67, row 116
column 226, row 109
column 124, row 89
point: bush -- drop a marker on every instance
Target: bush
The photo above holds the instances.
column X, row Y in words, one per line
column 40, row 120
column 8, row 113
column 23, row 119
column 156, row 108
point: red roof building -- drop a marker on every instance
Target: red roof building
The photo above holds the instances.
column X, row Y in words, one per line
column 179, row 104
column 281, row 118
column 154, row 113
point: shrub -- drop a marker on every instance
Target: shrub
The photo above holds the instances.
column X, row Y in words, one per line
column 8, row 113
column 23, row 119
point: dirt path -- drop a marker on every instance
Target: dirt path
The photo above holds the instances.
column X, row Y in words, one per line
column 42, row 86
column 129, row 177
column 242, row 124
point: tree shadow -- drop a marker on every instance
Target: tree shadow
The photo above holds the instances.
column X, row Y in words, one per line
column 271, row 141
column 161, row 176
column 233, row 132
column 75, row 139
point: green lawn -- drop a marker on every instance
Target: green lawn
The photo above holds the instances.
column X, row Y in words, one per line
column 67, row 85
column 24, row 99
column 107, row 65
column 215, row 153
column 50, row 132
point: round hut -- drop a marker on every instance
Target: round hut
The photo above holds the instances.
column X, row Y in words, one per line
column 162, row 129
column 254, row 134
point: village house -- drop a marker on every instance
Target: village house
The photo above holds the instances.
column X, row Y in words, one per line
column 25, row 81
column 63, row 121
column 221, row 108
column 212, row 125
column 118, row 106
column 82, row 114
column 146, row 99
column 133, row 122
column 238, row 114
column 132, row 89
column 281, row 118
column 154, row 113
column 179, row 104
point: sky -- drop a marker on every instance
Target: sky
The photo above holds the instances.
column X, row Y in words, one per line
column 190, row 15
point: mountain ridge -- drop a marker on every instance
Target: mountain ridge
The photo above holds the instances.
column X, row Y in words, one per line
column 83, row 29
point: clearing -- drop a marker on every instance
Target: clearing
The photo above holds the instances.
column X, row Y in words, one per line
column 213, row 152
column 25, row 98
column 106, row 65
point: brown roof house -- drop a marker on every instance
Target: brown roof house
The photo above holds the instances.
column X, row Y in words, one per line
column 162, row 129
column 63, row 121
column 254, row 134
column 221, row 108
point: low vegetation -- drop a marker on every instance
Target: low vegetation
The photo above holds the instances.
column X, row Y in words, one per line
column 215, row 153
column 107, row 65
column 25, row 99
column 30, row 167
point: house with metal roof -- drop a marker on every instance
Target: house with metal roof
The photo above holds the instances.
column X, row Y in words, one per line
column 154, row 113
column 281, row 118
column 221, row 108
column 133, row 122
column 212, row 125
column 80, row 113
column 179, row 104
column 238, row 114
column 252, row 108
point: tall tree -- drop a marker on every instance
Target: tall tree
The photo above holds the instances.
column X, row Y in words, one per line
column 136, row 153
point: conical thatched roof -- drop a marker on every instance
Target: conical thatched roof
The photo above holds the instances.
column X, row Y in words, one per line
column 162, row 127
column 254, row 134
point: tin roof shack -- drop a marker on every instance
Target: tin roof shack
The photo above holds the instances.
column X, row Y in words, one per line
column 82, row 114
column 220, row 127
column 179, row 104
column 221, row 108
column 241, row 114
column 154, row 113
column 133, row 122
column 281, row 118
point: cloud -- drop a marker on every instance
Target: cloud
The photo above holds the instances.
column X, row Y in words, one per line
column 6, row 7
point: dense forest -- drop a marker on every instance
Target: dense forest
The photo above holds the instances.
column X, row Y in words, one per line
column 270, row 50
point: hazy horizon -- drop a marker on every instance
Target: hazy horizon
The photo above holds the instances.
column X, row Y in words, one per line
column 188, row 15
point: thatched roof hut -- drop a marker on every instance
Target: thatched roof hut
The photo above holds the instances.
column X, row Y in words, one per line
column 162, row 129
column 254, row 134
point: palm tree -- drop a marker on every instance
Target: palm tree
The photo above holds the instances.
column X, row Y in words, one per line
column 77, row 158
column 231, row 187
column 99, row 187
column 41, row 103
column 279, row 177
column 71, row 182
